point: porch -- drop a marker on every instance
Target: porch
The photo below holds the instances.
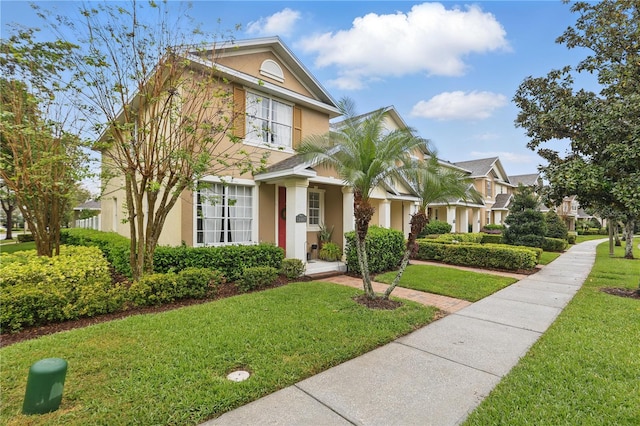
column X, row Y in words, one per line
column 321, row 267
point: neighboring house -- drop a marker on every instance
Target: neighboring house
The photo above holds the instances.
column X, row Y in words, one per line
column 490, row 180
column 568, row 211
column 92, row 222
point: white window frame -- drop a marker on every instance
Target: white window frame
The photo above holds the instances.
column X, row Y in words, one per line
column 315, row 227
column 255, row 135
column 252, row 205
column 489, row 188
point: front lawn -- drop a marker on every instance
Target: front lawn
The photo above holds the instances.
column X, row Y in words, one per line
column 12, row 247
column 548, row 257
column 171, row 367
column 585, row 370
column 465, row 285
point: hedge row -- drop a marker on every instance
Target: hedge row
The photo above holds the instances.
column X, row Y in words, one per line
column 230, row 260
column 478, row 255
column 38, row 290
column 156, row 289
column 385, row 248
column 554, row 244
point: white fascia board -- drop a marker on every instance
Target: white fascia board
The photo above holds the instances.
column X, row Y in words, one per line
column 262, row 85
column 283, row 174
column 402, row 197
column 328, row 180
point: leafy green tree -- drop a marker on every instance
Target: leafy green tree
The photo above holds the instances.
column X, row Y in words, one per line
column 603, row 164
column 163, row 113
column 556, row 228
column 433, row 183
column 364, row 154
column 525, row 223
column 41, row 158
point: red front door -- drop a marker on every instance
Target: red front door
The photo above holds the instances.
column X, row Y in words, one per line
column 282, row 217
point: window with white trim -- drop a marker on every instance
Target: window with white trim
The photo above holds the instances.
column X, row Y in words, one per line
column 315, row 208
column 224, row 214
column 489, row 189
column 269, row 121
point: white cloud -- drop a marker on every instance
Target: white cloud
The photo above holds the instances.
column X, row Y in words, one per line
column 510, row 157
column 459, row 105
column 281, row 23
column 429, row 39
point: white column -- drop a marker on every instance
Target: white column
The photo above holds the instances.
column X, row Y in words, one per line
column 255, row 206
column 476, row 220
column 498, row 217
column 463, row 220
column 384, row 217
column 348, row 220
column 408, row 209
column 451, row 218
column 296, row 231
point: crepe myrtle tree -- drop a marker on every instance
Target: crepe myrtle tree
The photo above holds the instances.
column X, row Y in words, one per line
column 164, row 115
column 364, row 154
column 602, row 166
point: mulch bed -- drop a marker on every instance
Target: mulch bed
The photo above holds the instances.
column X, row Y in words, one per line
column 622, row 292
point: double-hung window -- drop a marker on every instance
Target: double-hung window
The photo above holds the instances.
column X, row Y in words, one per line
column 489, row 193
column 315, row 209
column 224, row 214
column 269, row 121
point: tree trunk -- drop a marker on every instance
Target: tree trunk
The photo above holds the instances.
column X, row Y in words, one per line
column 363, row 212
column 611, row 238
column 9, row 212
column 628, row 247
column 418, row 221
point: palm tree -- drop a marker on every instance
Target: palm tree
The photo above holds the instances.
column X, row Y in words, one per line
column 364, row 153
column 433, row 183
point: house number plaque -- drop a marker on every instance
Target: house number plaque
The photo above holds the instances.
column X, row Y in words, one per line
column 301, row 218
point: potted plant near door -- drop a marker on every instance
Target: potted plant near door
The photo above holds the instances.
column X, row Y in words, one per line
column 324, row 235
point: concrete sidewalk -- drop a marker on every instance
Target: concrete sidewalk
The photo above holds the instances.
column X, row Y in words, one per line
column 436, row 375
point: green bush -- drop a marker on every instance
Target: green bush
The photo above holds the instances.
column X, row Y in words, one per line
column 554, row 244
column 292, row 268
column 25, row 238
column 478, row 255
column 230, row 260
column 114, row 246
column 159, row 288
column 556, row 227
column 571, row 238
column 435, row 227
column 461, row 238
column 385, row 248
column 257, row 277
column 493, row 227
column 330, row 252
column 38, row 290
column 491, row 239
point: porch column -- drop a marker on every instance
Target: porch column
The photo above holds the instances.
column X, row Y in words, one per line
column 296, row 231
column 384, row 216
column 476, row 220
column 463, row 220
column 348, row 219
column 451, row 218
column 408, row 209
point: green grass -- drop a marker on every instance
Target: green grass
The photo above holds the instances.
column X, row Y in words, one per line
column 548, row 257
column 11, row 247
column 170, row 368
column 581, row 238
column 465, row 285
column 585, row 370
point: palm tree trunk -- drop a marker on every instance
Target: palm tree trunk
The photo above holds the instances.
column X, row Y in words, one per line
column 418, row 222
column 363, row 212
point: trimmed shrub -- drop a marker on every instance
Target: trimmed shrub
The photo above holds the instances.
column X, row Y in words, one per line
column 230, row 260
column 493, row 227
column 38, row 290
column 25, row 238
column 491, row 239
column 554, row 244
column 257, row 277
column 385, row 248
column 461, row 238
column 292, row 268
column 571, row 238
column 154, row 289
column 114, row 246
column 478, row 255
column 435, row 227
column 330, row 252
column 199, row 283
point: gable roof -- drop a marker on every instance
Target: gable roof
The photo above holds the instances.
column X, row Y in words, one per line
column 89, row 205
column 502, row 202
column 526, row 180
column 321, row 99
column 483, row 166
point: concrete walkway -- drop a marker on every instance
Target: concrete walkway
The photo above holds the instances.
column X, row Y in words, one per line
column 436, row 375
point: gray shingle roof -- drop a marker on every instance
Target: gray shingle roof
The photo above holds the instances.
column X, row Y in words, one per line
column 479, row 167
column 526, row 180
column 502, row 201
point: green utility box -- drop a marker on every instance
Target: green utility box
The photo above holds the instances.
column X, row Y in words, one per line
column 44, row 386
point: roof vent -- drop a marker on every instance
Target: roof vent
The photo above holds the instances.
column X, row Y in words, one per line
column 271, row 69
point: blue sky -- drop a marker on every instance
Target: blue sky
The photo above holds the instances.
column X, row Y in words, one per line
column 449, row 68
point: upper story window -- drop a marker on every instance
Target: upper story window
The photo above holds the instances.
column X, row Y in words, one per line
column 269, row 121
column 489, row 193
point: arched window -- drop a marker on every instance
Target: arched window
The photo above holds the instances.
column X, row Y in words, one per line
column 271, row 69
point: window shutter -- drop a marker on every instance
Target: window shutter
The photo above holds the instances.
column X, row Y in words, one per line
column 297, row 126
column 239, row 111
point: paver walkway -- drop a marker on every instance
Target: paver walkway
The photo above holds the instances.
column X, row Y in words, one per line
column 438, row 374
